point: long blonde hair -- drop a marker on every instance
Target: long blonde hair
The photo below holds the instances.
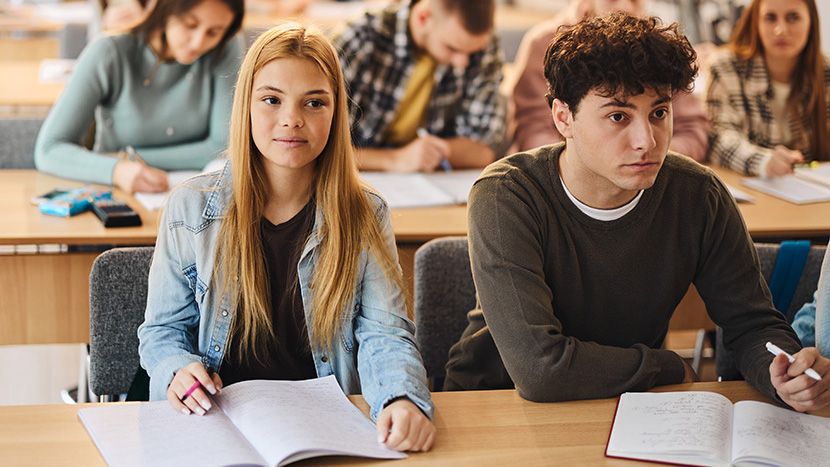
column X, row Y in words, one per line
column 808, row 76
column 349, row 224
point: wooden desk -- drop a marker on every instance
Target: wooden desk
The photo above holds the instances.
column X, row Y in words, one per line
column 45, row 295
column 21, row 93
column 474, row 428
column 771, row 217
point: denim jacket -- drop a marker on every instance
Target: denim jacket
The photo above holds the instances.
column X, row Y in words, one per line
column 185, row 322
column 812, row 322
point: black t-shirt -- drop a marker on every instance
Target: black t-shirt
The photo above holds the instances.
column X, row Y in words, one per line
column 290, row 357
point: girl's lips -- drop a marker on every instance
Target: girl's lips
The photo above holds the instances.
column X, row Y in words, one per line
column 291, row 142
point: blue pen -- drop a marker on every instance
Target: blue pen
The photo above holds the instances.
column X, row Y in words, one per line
column 445, row 164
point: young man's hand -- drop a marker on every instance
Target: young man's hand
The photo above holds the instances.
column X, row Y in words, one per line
column 798, row 390
column 403, row 427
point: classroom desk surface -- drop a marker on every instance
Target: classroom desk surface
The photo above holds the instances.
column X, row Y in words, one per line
column 21, row 93
column 474, row 428
column 771, row 217
column 22, row 223
column 47, row 300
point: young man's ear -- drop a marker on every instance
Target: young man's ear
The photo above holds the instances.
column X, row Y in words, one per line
column 562, row 118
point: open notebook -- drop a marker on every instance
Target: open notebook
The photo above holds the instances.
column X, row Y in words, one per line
column 706, row 429
column 805, row 185
column 258, row 423
column 423, row 189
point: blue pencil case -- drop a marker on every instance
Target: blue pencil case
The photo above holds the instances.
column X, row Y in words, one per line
column 74, row 202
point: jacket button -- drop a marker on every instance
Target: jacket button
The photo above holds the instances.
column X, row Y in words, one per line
column 224, row 312
column 216, row 348
column 324, row 359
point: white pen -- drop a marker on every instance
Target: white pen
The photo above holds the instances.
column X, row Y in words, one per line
column 775, row 350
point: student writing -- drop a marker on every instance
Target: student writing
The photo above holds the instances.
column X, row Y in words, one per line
column 164, row 87
column 434, row 64
column 283, row 265
column 768, row 93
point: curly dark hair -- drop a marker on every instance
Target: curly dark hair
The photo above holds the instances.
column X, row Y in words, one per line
column 618, row 53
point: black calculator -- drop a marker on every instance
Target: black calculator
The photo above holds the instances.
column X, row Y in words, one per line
column 115, row 213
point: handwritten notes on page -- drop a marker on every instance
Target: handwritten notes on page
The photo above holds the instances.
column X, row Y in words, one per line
column 675, row 427
column 706, row 429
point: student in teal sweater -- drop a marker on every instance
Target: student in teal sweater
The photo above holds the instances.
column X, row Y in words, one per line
column 163, row 88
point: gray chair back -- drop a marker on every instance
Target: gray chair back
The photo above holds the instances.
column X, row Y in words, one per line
column 117, row 298
column 17, row 142
column 444, row 293
column 725, row 364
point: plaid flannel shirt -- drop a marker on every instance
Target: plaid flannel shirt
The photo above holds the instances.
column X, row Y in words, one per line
column 377, row 55
column 744, row 130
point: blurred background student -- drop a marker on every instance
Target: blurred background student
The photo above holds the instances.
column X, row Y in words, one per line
column 163, row 88
column 768, row 89
column 534, row 124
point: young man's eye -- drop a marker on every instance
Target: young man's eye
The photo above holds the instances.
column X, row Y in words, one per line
column 617, row 117
column 661, row 113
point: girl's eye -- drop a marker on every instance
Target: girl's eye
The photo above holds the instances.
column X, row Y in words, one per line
column 617, row 117
column 271, row 100
column 315, row 103
column 792, row 17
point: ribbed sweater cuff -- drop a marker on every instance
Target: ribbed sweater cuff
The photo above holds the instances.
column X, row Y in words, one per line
column 671, row 366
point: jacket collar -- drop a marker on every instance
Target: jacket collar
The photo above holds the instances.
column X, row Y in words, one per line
column 221, row 191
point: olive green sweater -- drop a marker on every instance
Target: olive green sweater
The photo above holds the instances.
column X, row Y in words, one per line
column 579, row 308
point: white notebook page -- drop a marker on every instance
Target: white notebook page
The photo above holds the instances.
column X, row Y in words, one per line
column 311, row 416
column 153, row 433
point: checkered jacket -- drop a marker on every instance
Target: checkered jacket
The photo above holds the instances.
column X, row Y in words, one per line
column 377, row 56
column 739, row 100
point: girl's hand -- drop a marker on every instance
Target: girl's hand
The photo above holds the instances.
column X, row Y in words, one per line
column 133, row 176
column 782, row 160
column 403, row 427
column 198, row 400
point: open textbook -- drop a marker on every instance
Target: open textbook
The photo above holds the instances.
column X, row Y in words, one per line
column 258, row 423
column 706, row 429
column 423, row 189
column 805, row 185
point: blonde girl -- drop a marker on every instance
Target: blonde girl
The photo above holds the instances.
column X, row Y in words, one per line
column 283, row 265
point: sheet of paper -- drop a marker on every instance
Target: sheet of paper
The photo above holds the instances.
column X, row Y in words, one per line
column 407, row 190
column 740, row 196
column 153, row 433
column 455, row 182
column 55, row 70
column 668, row 425
column 308, row 417
column 789, row 438
column 790, row 188
column 153, row 201
column 819, row 175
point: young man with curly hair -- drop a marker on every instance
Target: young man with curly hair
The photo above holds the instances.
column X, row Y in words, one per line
column 582, row 250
